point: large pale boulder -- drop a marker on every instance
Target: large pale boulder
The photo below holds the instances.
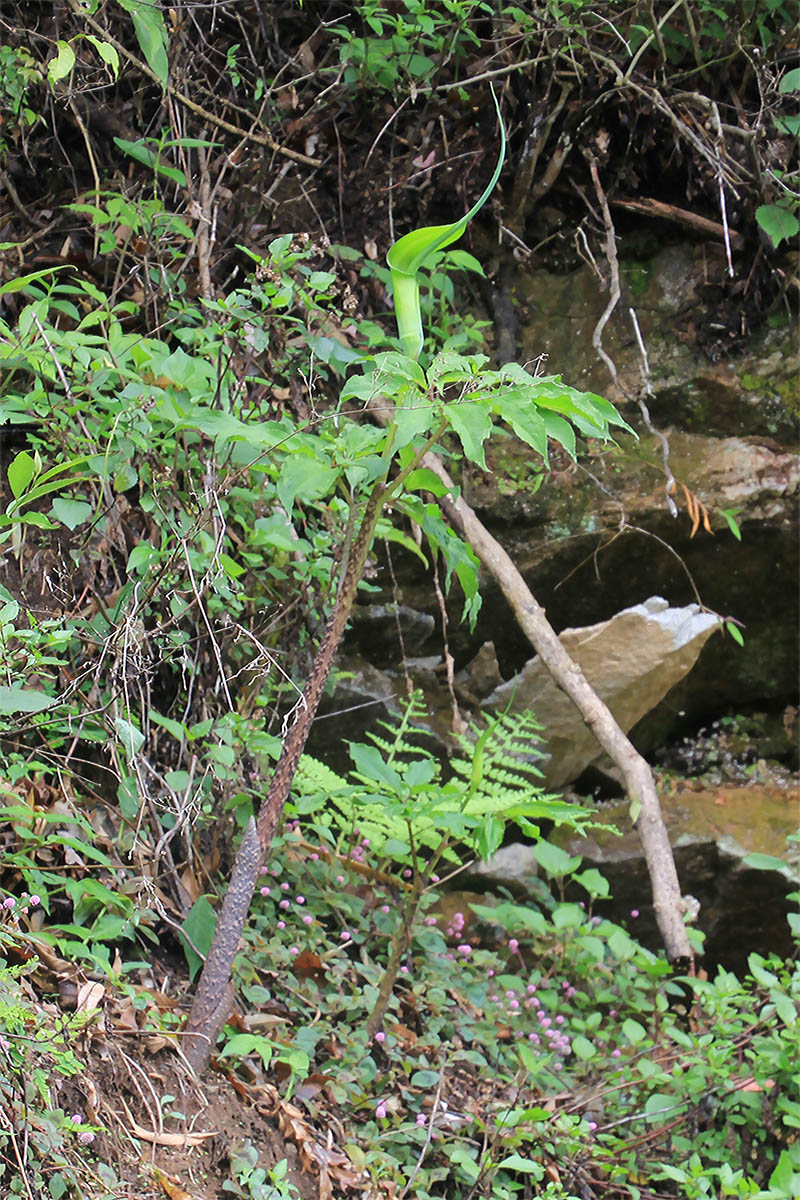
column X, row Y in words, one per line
column 631, row 661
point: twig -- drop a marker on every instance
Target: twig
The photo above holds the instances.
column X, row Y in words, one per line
column 597, row 336
column 497, row 74
column 207, row 623
column 720, row 138
column 264, row 139
column 645, row 411
column 459, row 725
column 655, row 35
column 423, row 1152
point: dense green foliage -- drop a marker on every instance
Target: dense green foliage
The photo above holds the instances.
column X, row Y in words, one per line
column 185, row 459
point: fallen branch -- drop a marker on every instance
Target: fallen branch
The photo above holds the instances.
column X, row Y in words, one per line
column 639, row 782
column 648, row 207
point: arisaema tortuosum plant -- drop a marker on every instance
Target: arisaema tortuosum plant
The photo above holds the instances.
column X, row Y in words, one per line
column 409, row 253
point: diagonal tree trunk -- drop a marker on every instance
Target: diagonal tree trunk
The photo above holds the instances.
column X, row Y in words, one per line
column 566, row 673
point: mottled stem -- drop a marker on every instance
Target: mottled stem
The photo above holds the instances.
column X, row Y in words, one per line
column 214, row 996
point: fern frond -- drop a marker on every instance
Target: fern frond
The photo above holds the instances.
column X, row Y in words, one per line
column 395, row 797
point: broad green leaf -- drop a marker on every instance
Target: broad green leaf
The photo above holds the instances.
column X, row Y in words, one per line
column 390, row 533
column 151, row 34
column 20, row 472
column 778, row 223
column 140, row 556
column 784, row 1006
column 411, row 423
column 107, row 52
column 132, row 738
column 583, row 1047
column 369, row 763
column 425, row 480
column 71, row 513
column 553, row 859
column 790, row 82
column 462, row 260
column 764, row 862
column 304, row 478
column 633, row 1031
column 759, row 972
column 16, row 700
column 148, row 157
column 408, row 255
column 595, row 883
column 128, row 797
column 560, row 431
column 473, row 424
column 60, row 66
column 199, row 925
column 526, row 1166
column 658, row 1104
column 177, row 730
column 568, row 916
column 523, row 418
column 18, row 285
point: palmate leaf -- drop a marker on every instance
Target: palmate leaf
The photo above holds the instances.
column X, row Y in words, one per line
column 410, row 252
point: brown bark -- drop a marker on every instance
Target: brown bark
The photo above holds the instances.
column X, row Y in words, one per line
column 568, row 676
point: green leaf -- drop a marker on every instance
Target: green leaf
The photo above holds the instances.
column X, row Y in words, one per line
column 633, row 1031
column 424, row 479
column 657, row 1105
column 145, row 155
column 177, row 730
column 425, row 1079
column 71, row 513
column 140, row 556
column 132, row 738
column 60, row 66
column 784, row 1006
column 527, row 1166
column 553, row 859
column 19, row 285
column 790, row 125
column 595, row 883
column 759, row 972
column 151, row 34
column 305, row 478
column 199, row 925
column 764, row 862
column 735, row 632
column 462, row 260
column 790, row 82
column 17, row 700
column 583, row 1047
column 777, row 222
column 369, row 763
column 20, row 472
column 527, row 423
column 568, row 916
column 408, row 255
column 730, row 515
column 128, row 797
column 473, row 424
column 107, row 52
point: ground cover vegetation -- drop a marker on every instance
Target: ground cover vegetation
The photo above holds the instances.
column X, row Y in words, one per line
column 188, row 451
